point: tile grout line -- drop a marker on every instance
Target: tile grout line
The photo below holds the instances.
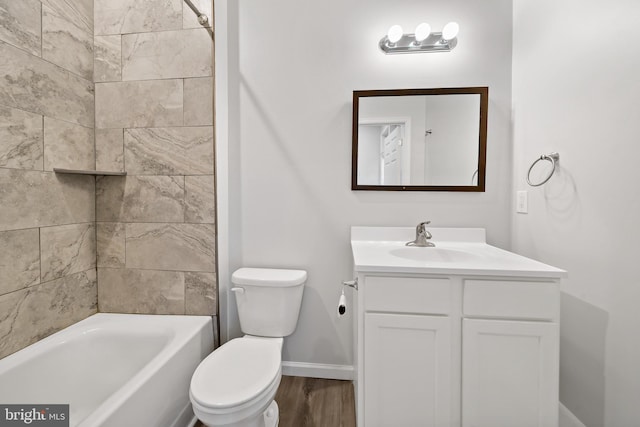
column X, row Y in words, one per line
column 41, row 30
column 40, row 251
column 95, row 155
column 43, row 154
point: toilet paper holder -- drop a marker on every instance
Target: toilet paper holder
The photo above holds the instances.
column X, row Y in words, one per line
column 342, row 301
column 351, row 283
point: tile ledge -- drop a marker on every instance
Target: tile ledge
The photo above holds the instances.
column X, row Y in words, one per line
column 88, row 172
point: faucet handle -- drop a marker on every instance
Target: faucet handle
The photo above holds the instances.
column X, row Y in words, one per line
column 421, row 227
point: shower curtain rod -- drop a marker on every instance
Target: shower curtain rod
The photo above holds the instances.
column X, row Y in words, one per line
column 202, row 18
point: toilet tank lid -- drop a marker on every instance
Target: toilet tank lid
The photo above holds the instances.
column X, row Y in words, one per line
column 274, row 277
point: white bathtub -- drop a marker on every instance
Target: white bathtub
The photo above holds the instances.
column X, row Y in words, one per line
column 114, row 370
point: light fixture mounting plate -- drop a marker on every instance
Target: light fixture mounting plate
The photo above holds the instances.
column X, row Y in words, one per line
column 407, row 44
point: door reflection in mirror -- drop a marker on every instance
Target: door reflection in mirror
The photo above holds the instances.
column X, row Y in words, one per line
column 384, row 154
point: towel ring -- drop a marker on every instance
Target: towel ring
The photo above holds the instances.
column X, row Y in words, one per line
column 554, row 158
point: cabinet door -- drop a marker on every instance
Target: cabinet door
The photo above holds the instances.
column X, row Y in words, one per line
column 509, row 373
column 407, row 370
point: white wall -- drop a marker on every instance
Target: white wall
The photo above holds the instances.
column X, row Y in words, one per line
column 292, row 67
column 576, row 90
column 452, row 147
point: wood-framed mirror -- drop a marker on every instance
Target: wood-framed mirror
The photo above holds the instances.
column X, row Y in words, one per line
column 420, row 139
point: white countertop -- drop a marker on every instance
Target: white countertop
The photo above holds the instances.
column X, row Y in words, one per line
column 457, row 251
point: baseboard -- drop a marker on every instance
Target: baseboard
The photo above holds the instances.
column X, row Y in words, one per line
column 567, row 419
column 318, row 370
column 192, row 422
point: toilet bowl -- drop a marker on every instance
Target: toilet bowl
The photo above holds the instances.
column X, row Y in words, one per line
column 235, row 385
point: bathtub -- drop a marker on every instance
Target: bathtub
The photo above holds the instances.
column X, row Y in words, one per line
column 114, row 370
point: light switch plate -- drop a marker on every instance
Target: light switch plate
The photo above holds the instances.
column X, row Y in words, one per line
column 522, row 204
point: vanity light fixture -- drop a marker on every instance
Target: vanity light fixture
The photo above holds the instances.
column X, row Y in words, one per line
column 423, row 40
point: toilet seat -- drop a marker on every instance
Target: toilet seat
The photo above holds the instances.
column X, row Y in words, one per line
column 241, row 414
column 237, row 375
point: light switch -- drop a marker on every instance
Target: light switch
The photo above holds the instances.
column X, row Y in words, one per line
column 522, row 205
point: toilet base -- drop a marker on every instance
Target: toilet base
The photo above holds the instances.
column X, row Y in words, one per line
column 269, row 418
column 272, row 415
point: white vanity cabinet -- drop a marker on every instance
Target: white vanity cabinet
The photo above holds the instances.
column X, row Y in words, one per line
column 457, row 351
column 442, row 343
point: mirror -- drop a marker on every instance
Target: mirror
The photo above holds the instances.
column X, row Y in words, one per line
column 420, row 139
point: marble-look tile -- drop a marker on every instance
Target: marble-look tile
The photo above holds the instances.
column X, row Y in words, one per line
column 199, row 199
column 19, row 259
column 34, row 85
column 140, row 291
column 169, row 151
column 140, row 199
column 67, row 249
column 166, row 54
column 190, row 19
column 109, row 150
column 147, row 56
column 80, row 12
column 20, row 24
column 183, row 247
column 152, row 103
column 30, row 314
column 200, row 293
column 68, row 146
column 196, row 55
column 110, row 238
column 66, row 45
column 21, row 136
column 37, row 199
column 198, row 101
column 107, row 59
column 135, row 16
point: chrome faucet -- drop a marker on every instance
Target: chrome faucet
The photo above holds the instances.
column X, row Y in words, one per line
column 422, row 236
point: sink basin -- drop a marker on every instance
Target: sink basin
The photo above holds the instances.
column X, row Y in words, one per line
column 432, row 254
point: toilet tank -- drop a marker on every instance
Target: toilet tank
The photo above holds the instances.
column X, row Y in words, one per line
column 268, row 300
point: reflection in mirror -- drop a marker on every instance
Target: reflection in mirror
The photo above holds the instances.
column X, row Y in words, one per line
column 420, row 139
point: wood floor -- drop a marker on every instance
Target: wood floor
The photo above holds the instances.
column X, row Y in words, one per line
column 313, row 402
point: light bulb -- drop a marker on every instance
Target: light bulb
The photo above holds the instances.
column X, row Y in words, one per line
column 395, row 33
column 450, row 31
column 422, row 31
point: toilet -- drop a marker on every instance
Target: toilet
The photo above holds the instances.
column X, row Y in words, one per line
column 236, row 384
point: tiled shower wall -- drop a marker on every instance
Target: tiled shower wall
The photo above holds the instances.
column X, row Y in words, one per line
column 154, row 119
column 47, row 229
column 155, row 230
